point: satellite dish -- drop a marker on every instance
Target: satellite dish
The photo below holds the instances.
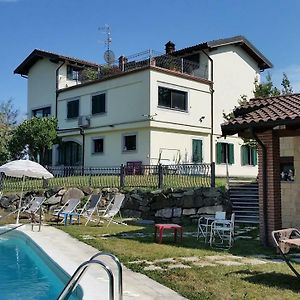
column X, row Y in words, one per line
column 109, row 56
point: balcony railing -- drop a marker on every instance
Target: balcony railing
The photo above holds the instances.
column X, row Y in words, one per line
column 147, row 58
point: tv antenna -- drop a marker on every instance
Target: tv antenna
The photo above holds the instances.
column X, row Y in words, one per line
column 109, row 55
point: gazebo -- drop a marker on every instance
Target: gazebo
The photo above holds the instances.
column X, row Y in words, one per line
column 274, row 123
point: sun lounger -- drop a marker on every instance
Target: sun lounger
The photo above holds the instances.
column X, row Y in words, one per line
column 286, row 239
column 113, row 209
column 91, row 207
column 67, row 210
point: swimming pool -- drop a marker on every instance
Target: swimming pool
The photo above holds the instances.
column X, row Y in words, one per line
column 26, row 272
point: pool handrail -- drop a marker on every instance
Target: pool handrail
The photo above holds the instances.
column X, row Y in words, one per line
column 74, row 280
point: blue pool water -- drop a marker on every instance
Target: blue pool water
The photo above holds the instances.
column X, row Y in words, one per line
column 26, row 272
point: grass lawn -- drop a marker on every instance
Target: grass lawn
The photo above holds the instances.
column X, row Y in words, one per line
column 135, row 244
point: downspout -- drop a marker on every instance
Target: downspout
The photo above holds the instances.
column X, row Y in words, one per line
column 264, row 182
column 82, row 133
column 56, row 87
column 211, row 103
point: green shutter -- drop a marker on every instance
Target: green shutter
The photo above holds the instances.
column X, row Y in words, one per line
column 244, row 155
column 219, row 153
column 197, row 151
column 230, row 154
column 254, row 156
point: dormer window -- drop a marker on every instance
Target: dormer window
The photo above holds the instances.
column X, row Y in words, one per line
column 73, row 72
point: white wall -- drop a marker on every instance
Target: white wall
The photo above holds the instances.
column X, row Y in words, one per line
column 41, row 86
column 198, row 101
column 127, row 100
column 174, row 146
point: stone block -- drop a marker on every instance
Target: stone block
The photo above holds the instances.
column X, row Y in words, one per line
column 210, row 210
column 72, row 193
column 177, row 212
column 188, row 202
column 164, row 213
column 189, row 211
column 130, row 213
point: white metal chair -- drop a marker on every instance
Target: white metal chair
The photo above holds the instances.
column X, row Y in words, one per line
column 222, row 231
column 113, row 209
column 90, row 207
column 67, row 209
column 204, row 224
column 34, row 205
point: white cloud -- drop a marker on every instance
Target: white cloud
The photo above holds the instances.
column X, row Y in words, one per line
column 293, row 74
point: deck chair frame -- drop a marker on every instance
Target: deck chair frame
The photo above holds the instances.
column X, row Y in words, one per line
column 284, row 241
column 62, row 209
column 114, row 207
column 89, row 211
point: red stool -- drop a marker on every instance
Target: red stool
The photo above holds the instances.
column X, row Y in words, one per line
column 160, row 228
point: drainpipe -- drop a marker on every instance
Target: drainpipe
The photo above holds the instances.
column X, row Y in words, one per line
column 264, row 182
column 56, row 87
column 211, row 103
column 83, row 146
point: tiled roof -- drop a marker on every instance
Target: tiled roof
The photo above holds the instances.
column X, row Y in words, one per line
column 263, row 62
column 37, row 54
column 267, row 112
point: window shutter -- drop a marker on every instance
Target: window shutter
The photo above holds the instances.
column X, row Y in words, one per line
column 197, row 151
column 219, row 153
column 230, row 154
column 254, row 156
column 244, row 155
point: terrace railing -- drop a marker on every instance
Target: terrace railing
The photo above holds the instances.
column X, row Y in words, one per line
column 142, row 176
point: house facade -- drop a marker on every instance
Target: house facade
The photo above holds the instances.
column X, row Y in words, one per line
column 155, row 108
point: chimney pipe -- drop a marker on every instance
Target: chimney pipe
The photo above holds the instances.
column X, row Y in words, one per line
column 169, row 47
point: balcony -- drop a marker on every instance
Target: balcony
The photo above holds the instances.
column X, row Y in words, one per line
column 144, row 59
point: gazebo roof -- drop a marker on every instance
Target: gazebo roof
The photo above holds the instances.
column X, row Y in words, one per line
column 264, row 113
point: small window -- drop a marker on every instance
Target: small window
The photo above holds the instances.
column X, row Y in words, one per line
column 197, row 151
column 98, row 145
column 225, row 153
column 129, row 142
column 42, row 112
column 172, row 99
column 98, row 104
column 248, row 156
column 73, row 72
column 73, row 109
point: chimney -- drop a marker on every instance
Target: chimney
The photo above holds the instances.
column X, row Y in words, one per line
column 170, row 47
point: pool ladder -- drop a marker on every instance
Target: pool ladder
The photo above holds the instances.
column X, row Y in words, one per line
column 80, row 271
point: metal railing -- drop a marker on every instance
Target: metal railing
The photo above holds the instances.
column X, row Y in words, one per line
column 136, row 176
column 149, row 58
column 80, row 271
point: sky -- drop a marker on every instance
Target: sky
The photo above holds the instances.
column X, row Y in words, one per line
column 71, row 28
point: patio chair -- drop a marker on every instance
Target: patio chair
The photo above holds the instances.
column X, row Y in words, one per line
column 67, row 210
column 34, row 205
column 113, row 209
column 90, row 207
column 222, row 231
column 204, row 224
column 285, row 239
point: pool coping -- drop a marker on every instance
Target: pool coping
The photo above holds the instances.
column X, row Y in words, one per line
column 69, row 253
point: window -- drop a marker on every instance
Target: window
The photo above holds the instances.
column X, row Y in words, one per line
column 129, row 142
column 172, row 98
column 225, row 152
column 73, row 72
column 287, row 169
column 98, row 104
column 197, row 151
column 42, row 112
column 98, row 145
column 248, row 156
column 73, row 109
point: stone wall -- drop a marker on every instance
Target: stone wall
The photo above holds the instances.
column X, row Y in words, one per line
column 176, row 206
column 171, row 205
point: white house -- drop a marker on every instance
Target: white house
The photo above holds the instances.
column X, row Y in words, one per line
column 150, row 108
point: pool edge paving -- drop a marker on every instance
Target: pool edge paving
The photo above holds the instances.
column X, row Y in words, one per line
column 69, row 253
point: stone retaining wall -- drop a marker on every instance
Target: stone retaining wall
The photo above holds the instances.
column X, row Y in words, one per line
column 171, row 205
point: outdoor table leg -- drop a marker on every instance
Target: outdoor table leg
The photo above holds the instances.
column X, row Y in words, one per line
column 71, row 219
column 175, row 235
column 161, row 230
column 65, row 219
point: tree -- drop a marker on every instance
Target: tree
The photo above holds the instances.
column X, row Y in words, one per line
column 34, row 137
column 286, row 84
column 8, row 120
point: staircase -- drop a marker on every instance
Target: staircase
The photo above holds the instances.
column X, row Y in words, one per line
column 244, row 199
